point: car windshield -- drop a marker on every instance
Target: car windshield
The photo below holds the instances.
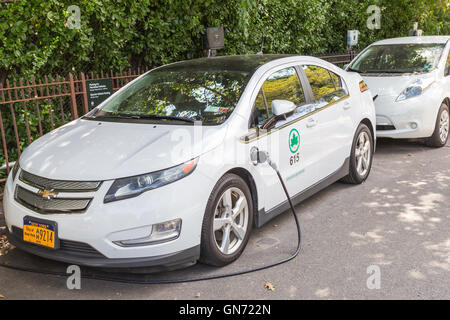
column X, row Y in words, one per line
column 398, row 58
column 174, row 95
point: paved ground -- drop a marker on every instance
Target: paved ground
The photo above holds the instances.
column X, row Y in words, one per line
column 399, row 220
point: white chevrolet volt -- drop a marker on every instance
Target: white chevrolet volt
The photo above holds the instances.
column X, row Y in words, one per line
column 161, row 174
column 410, row 78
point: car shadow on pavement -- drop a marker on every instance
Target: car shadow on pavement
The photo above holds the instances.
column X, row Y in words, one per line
column 397, row 220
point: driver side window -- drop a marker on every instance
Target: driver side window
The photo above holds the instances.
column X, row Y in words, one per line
column 281, row 85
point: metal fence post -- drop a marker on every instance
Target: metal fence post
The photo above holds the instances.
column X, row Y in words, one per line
column 351, row 54
column 85, row 100
column 73, row 97
column 5, row 147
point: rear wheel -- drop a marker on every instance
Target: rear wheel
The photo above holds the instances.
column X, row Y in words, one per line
column 441, row 130
column 227, row 222
column 361, row 156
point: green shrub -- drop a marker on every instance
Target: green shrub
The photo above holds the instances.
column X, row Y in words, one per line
column 115, row 34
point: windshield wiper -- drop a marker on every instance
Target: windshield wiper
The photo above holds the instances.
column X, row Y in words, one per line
column 384, row 71
column 111, row 116
column 161, row 117
column 143, row 116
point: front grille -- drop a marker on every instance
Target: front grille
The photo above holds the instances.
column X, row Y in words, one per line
column 58, row 185
column 65, row 246
column 385, row 127
column 37, row 203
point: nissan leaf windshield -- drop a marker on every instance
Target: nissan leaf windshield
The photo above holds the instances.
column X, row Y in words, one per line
column 177, row 94
column 398, row 58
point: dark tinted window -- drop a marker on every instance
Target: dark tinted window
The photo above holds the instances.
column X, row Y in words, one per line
column 281, row 85
column 326, row 85
column 447, row 65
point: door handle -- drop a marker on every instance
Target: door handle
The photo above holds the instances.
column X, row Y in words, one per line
column 311, row 123
column 347, row 105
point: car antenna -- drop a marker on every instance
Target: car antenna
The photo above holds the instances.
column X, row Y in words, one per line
column 262, row 45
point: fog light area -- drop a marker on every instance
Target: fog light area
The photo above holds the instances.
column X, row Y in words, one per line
column 161, row 232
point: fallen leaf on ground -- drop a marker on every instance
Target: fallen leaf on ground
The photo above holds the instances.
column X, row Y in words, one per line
column 269, row 286
column 2, row 296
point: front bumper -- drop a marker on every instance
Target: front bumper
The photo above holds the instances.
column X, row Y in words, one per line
column 165, row 262
column 407, row 119
column 102, row 224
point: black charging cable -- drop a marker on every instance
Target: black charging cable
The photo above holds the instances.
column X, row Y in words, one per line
column 258, row 157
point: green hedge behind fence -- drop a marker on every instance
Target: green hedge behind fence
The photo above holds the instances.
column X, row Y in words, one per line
column 114, row 34
column 35, row 38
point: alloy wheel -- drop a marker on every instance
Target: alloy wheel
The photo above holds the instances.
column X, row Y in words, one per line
column 230, row 220
column 363, row 153
column 444, row 124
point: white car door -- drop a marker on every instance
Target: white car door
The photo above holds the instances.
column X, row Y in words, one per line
column 291, row 142
column 331, row 120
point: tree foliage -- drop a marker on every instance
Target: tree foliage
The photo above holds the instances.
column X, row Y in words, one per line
column 35, row 38
column 114, row 34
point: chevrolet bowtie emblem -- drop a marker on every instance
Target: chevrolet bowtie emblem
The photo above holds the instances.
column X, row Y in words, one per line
column 47, row 194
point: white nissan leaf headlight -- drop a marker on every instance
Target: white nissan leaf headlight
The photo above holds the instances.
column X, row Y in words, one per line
column 415, row 89
column 133, row 186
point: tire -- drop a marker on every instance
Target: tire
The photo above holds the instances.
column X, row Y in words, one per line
column 213, row 249
column 356, row 173
column 441, row 129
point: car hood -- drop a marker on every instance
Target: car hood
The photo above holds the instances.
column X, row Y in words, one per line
column 93, row 150
column 392, row 85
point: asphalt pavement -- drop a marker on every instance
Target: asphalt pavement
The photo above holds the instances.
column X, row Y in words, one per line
column 388, row 238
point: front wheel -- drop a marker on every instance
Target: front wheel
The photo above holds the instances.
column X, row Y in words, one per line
column 361, row 156
column 442, row 126
column 227, row 222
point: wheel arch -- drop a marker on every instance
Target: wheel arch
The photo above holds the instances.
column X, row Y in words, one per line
column 248, row 178
column 447, row 101
column 369, row 124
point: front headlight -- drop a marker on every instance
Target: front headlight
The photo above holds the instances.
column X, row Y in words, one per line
column 133, row 186
column 415, row 89
column 15, row 169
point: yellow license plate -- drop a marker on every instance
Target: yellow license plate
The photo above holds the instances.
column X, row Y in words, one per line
column 40, row 233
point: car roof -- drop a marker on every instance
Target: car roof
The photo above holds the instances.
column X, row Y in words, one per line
column 247, row 63
column 412, row 40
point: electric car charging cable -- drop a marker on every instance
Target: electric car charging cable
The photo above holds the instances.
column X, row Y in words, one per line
column 258, row 157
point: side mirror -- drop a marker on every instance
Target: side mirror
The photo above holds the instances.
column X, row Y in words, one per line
column 281, row 107
column 346, row 66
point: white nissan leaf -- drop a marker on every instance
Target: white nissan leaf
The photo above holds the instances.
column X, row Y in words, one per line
column 161, row 175
column 410, row 78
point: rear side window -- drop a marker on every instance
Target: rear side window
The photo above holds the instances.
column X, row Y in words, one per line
column 447, row 65
column 326, row 85
column 281, row 85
